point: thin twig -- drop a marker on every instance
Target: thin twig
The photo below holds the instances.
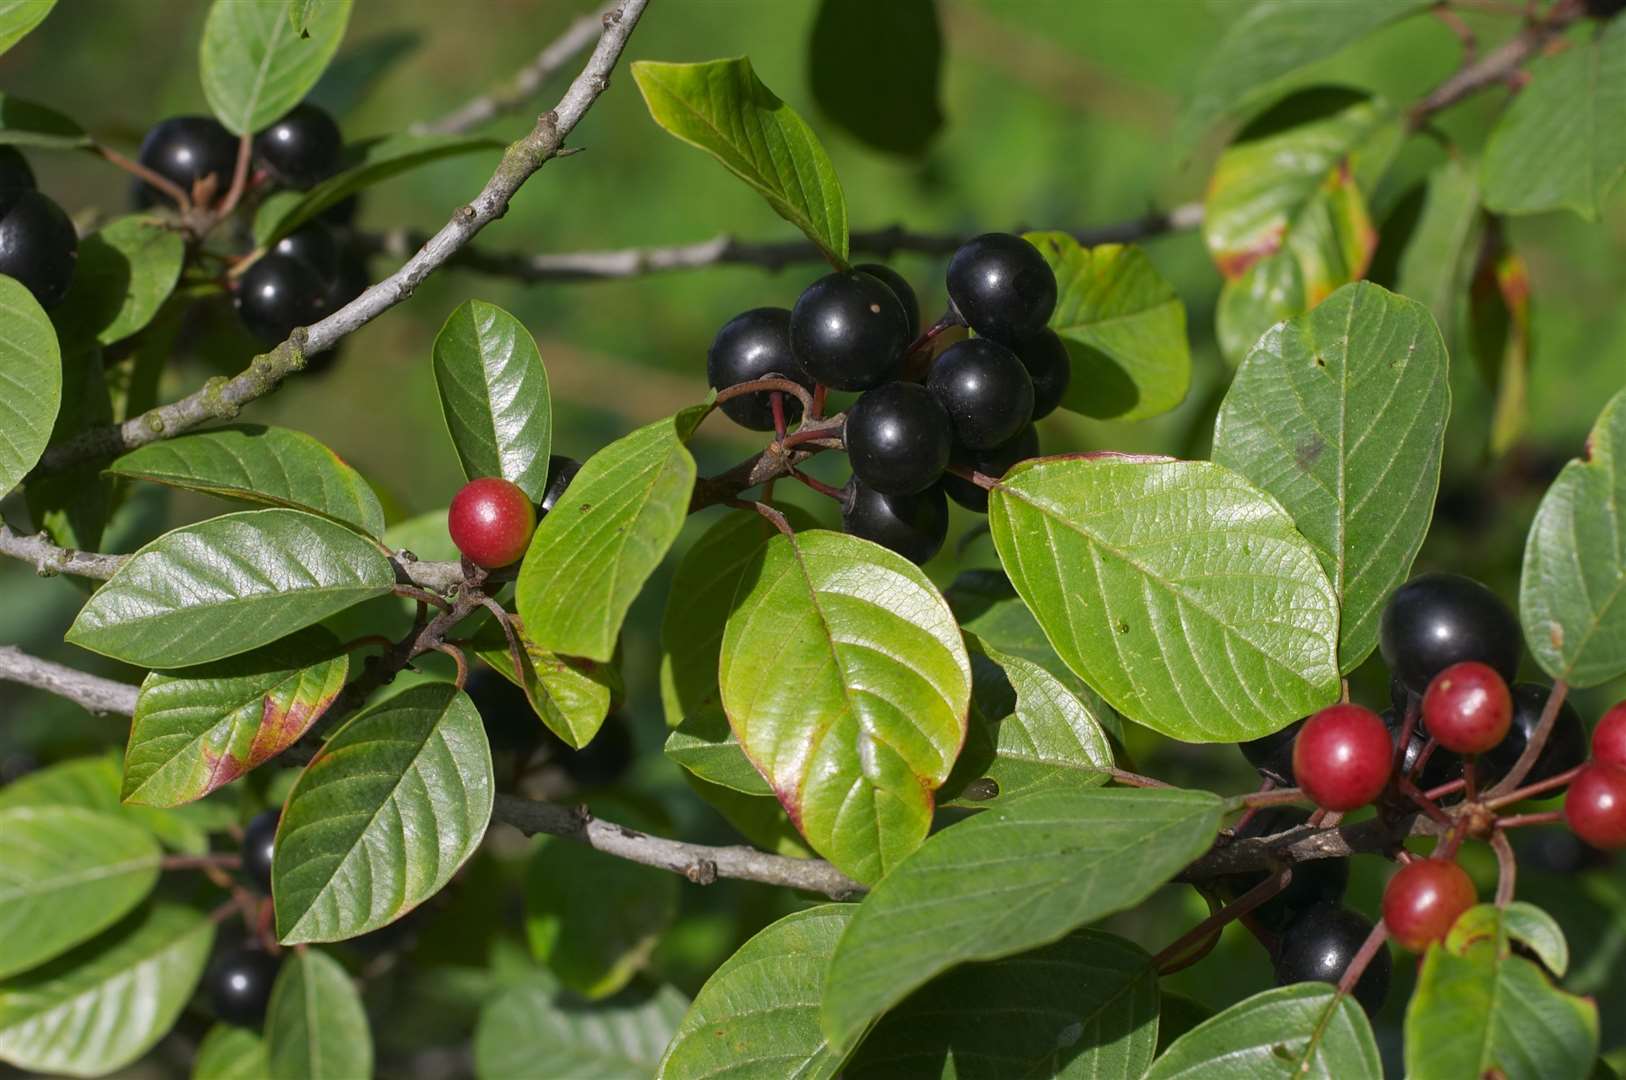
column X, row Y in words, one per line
column 1507, row 868
column 1168, row 961
column 223, row 860
column 1537, row 742
column 1494, row 67
column 95, row 693
column 1540, row 787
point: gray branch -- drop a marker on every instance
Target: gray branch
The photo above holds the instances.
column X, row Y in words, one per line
column 95, row 693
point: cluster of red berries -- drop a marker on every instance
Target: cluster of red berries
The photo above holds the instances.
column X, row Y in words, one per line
column 38, row 244
column 973, row 406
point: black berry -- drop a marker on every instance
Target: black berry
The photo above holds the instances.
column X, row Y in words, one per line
column 1319, row 945
column 341, row 270
column 561, row 471
column 279, row 293
column 985, row 390
column 14, row 170
column 900, row 288
column 302, row 149
column 1436, row 620
column 1557, row 851
column 38, row 244
column 259, row 845
column 898, row 439
column 1002, row 287
column 1604, row 9
column 184, row 150
column 752, row 346
column 849, row 331
column 1045, row 357
column 994, row 463
column 1566, row 746
column 341, row 214
column 602, row 761
column 914, row 526
column 1272, row 755
column 239, row 984
column 1443, row 765
column 505, row 712
column 1314, row 881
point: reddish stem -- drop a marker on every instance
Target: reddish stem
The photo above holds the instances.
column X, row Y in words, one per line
column 174, row 191
column 819, row 486
column 1357, row 967
column 1538, row 742
column 1515, row 821
column 1530, row 791
column 1507, row 868
column 1175, row 958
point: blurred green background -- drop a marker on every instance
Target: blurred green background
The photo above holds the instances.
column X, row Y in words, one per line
column 1059, row 114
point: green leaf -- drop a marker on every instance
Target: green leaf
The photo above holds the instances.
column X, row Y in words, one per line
column 299, row 14
column 372, row 162
column 1479, row 1010
column 1434, row 266
column 391, row 806
column 1083, row 1008
column 605, row 536
column 266, row 466
column 875, row 69
column 26, row 123
column 1572, row 591
column 73, row 505
column 18, row 17
column 1274, row 38
column 229, row 1052
column 1291, row 1031
column 721, row 107
column 1522, row 922
column 1012, row 878
column 315, row 1026
column 97, row 1009
column 1176, row 589
column 757, row 1017
column 494, row 396
column 65, row 875
column 1562, row 142
column 1340, row 414
column 30, row 381
column 93, row 783
column 758, row 818
column 256, row 66
column 126, row 271
column 848, row 685
column 1027, row 729
column 228, row 585
column 572, row 696
column 197, row 731
column 1499, row 325
column 1124, row 327
column 532, row 1029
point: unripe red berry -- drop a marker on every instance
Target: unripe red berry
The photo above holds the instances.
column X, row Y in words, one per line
column 491, row 521
column 1342, row 756
column 1467, row 707
column 1609, row 737
column 1595, row 806
column 1425, row 899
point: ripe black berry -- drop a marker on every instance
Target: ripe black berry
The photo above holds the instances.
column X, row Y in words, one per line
column 985, row 390
column 1604, row 9
column 259, row 845
column 601, row 762
column 1045, row 357
column 240, row 985
column 1272, row 755
column 914, row 526
column 1318, row 947
column 849, row 331
column 1566, row 746
column 994, row 463
column 38, row 244
column 302, row 149
column 14, row 170
column 1436, row 620
column 898, row 438
column 1314, row 881
column 900, row 288
column 279, row 293
column 184, row 150
column 752, row 346
column 341, row 270
column 505, row 711
column 1557, row 851
column 561, row 471
column 1002, row 287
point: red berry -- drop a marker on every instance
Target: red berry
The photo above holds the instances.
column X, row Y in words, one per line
column 1341, row 757
column 1609, row 737
column 1425, row 899
column 1467, row 707
column 1595, row 806
column 491, row 521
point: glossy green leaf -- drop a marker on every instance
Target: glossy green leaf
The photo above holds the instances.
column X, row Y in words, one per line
column 256, row 66
column 65, row 875
column 267, row 466
column 1433, row 268
column 876, row 69
column 1285, row 1032
column 494, row 396
column 391, row 806
column 1083, row 1008
column 605, row 536
column 1012, row 878
column 93, row 783
column 1340, row 414
column 18, row 17
column 1176, row 589
column 72, row 506
column 1124, row 327
column 570, row 695
column 126, row 270
column 228, row 585
column 229, row 1052
column 27, row 123
column 1562, row 142
column 534, row 1032
column 1572, row 591
column 847, row 683
column 721, row 107
column 98, row 1008
column 1480, row 1010
column 30, row 381
column 315, row 1026
column 203, row 728
column 757, row 1017
column 1522, row 922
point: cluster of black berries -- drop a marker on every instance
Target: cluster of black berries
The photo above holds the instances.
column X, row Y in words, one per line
column 38, row 244
column 973, row 407
column 240, row 978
